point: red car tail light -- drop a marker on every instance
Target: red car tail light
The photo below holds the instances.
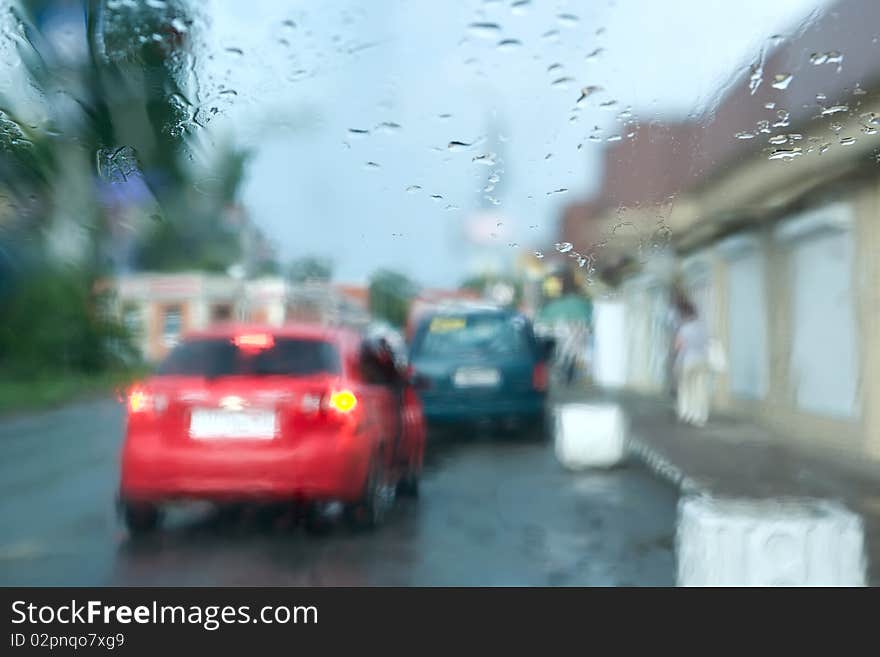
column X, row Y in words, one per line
column 540, row 377
column 141, row 401
column 342, row 401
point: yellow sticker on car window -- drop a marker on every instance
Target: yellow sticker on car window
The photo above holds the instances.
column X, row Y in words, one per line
column 447, row 324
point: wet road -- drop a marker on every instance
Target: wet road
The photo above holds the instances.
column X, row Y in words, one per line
column 493, row 511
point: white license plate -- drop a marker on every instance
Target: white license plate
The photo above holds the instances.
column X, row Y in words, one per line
column 218, row 424
column 477, row 376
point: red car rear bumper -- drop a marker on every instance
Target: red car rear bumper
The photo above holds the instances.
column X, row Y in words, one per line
column 319, row 468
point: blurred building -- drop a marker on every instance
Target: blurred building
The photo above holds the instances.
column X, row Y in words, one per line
column 765, row 210
column 158, row 308
column 328, row 303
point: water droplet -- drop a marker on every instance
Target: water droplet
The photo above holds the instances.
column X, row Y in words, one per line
column 451, row 207
column 358, row 132
column 412, row 189
column 831, row 57
column 588, row 91
column 785, row 154
column 564, row 247
column 444, row 117
column 554, row 67
column 835, row 109
column 235, row 51
column 847, row 141
column 869, row 130
column 539, row 255
column 781, row 80
column 484, row 30
column 509, row 44
column 871, row 117
column 778, row 140
column 836, row 127
column 486, row 158
column 595, row 54
column 551, row 35
column 456, row 146
column 770, row 105
column 388, row 126
column 755, row 78
column 858, row 91
column 288, row 23
column 763, row 126
column 561, row 190
column 520, row 7
column 782, row 119
column 823, row 148
column 568, row 20
column 614, row 138
column 372, row 165
column 745, row 135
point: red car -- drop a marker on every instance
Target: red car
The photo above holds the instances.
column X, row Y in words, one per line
column 321, row 417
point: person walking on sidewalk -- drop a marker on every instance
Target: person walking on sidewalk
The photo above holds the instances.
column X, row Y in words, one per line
column 692, row 367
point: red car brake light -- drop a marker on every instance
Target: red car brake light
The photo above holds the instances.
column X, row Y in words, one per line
column 254, row 341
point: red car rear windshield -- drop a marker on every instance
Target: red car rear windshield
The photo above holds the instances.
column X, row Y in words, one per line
column 215, row 357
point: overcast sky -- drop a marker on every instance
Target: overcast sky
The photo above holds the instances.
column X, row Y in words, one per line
column 307, row 73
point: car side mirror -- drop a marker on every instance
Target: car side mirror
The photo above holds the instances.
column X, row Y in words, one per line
column 546, row 347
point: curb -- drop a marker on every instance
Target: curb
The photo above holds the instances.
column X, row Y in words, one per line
column 662, row 467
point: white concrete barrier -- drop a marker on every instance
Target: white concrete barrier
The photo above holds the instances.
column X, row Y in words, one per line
column 734, row 542
column 589, row 435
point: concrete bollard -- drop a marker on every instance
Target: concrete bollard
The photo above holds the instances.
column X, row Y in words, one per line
column 589, row 435
column 735, row 542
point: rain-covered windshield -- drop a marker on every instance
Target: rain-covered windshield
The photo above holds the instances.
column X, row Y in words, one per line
column 679, row 199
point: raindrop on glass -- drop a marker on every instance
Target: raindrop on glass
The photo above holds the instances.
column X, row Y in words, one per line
column 785, row 154
column 520, row 7
column 781, row 80
column 485, row 30
column 509, row 44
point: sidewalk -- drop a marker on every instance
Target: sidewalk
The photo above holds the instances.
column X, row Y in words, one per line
column 735, row 457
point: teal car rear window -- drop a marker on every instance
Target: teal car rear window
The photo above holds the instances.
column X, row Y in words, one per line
column 487, row 334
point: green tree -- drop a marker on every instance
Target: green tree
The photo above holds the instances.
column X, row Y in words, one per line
column 310, row 268
column 390, row 294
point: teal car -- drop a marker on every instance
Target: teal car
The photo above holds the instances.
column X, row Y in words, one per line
column 480, row 365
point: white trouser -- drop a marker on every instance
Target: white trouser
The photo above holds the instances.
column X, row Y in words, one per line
column 693, row 393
